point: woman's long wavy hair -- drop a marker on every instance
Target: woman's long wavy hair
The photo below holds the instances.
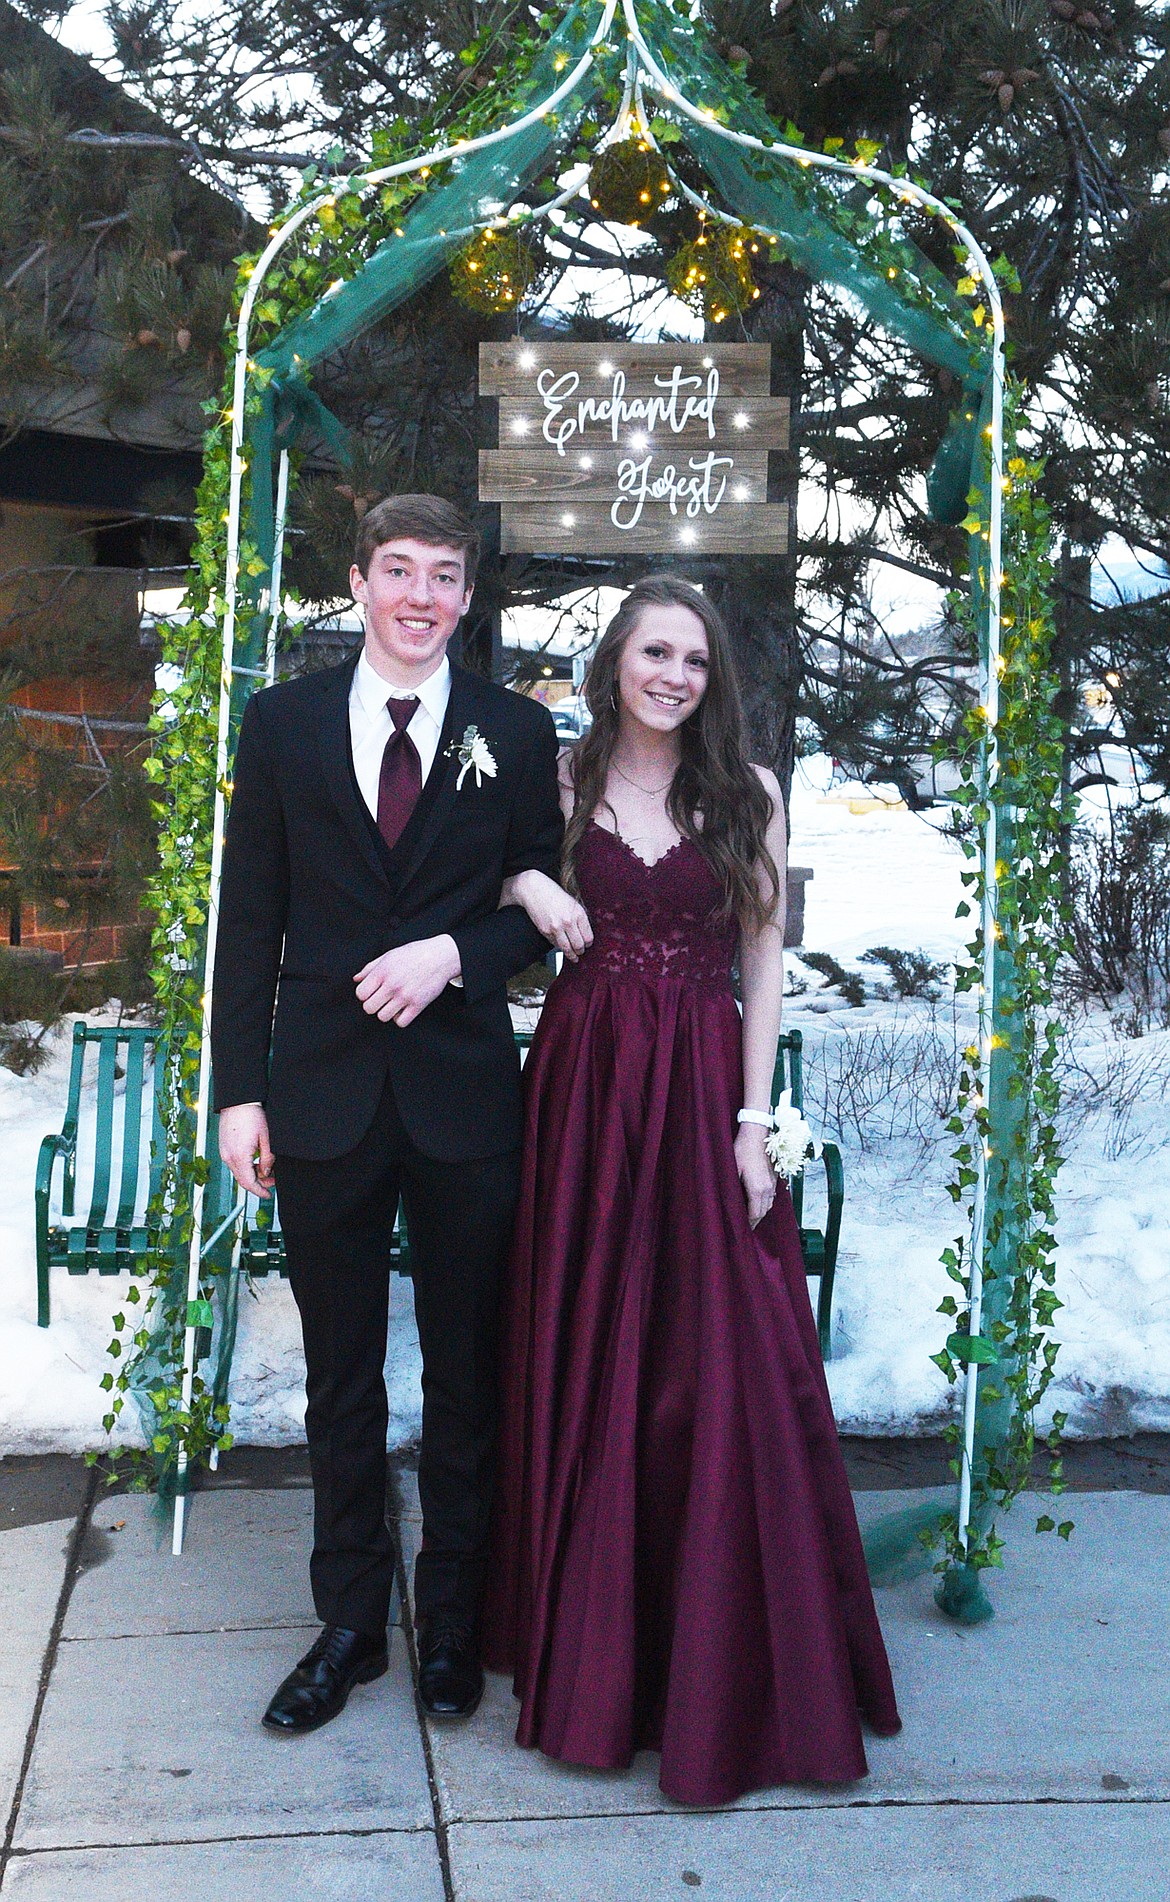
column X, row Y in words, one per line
column 716, row 798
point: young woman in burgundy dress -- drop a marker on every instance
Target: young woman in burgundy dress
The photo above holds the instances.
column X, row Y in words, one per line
column 677, row 1565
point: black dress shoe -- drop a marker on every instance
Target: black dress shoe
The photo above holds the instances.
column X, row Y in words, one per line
column 324, row 1678
column 450, row 1676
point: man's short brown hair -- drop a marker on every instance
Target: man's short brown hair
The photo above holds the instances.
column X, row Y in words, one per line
column 417, row 518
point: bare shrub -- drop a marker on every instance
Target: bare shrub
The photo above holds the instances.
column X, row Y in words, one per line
column 1120, row 923
column 892, row 1079
column 1111, row 1082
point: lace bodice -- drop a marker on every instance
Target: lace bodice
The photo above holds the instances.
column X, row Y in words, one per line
column 651, row 922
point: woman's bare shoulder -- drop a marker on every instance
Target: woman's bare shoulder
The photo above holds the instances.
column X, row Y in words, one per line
column 769, row 782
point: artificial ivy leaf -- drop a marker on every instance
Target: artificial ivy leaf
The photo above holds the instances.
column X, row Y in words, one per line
column 972, row 1347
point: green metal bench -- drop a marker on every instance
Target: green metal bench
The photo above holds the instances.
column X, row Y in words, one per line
column 111, row 1233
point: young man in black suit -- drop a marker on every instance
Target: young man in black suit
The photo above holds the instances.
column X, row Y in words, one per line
column 362, row 1049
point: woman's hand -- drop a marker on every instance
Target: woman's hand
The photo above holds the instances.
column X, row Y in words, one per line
column 755, row 1171
column 556, row 916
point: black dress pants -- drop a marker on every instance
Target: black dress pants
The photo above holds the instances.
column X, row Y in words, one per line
column 337, row 1218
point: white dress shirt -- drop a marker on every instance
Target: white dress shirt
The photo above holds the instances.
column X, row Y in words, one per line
column 370, row 725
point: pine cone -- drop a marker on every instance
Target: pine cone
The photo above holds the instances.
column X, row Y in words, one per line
column 1005, row 94
column 146, row 337
column 1063, row 9
column 182, row 340
column 881, row 39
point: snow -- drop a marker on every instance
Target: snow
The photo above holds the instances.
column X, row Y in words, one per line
column 882, row 875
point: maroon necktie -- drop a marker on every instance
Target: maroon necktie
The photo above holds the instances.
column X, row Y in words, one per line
column 400, row 780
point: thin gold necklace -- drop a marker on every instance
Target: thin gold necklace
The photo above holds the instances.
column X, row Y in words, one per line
column 651, row 792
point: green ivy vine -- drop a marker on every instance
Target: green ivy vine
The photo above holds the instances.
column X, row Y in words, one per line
column 1015, row 1351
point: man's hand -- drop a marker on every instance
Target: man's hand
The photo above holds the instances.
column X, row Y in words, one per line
column 401, row 983
column 245, row 1148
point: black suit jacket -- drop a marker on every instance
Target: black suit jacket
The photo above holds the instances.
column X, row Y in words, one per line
column 310, row 894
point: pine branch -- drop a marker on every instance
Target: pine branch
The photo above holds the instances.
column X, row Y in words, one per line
column 159, row 142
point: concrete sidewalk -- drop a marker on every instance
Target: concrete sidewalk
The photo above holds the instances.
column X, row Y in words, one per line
column 1034, row 1765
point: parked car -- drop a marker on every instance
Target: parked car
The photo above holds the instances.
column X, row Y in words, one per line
column 572, row 718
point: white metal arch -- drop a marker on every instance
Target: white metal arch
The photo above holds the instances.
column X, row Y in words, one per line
column 642, row 65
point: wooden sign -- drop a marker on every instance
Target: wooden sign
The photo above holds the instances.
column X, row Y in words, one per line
column 633, row 448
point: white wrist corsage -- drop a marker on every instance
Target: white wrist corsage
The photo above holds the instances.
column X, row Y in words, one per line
column 474, row 755
column 791, row 1142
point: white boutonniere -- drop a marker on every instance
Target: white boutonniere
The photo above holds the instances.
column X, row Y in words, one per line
column 474, row 755
column 790, row 1141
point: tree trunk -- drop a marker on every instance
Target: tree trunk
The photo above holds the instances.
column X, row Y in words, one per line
column 757, row 593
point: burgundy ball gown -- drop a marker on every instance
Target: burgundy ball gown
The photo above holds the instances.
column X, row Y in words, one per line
column 677, row 1564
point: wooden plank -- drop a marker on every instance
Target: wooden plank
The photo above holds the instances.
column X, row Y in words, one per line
column 587, row 529
column 759, row 422
column 511, row 369
column 511, row 475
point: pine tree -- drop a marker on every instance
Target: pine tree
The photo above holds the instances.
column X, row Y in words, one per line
column 117, row 271
column 1048, row 122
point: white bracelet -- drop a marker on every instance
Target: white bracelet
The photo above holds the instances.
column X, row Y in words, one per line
column 764, row 1117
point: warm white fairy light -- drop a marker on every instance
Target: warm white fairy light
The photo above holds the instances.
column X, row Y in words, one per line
column 520, row 425
column 741, row 491
column 605, row 367
column 568, row 520
column 687, row 535
column 741, row 419
column 584, row 462
column 527, row 359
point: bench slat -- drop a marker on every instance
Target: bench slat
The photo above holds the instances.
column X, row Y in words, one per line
column 131, row 1131
column 103, row 1132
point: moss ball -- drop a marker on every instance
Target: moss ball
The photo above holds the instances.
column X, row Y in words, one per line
column 713, row 274
column 493, row 272
column 628, row 181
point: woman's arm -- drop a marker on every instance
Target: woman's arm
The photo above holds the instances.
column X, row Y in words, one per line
column 556, row 916
column 761, row 975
